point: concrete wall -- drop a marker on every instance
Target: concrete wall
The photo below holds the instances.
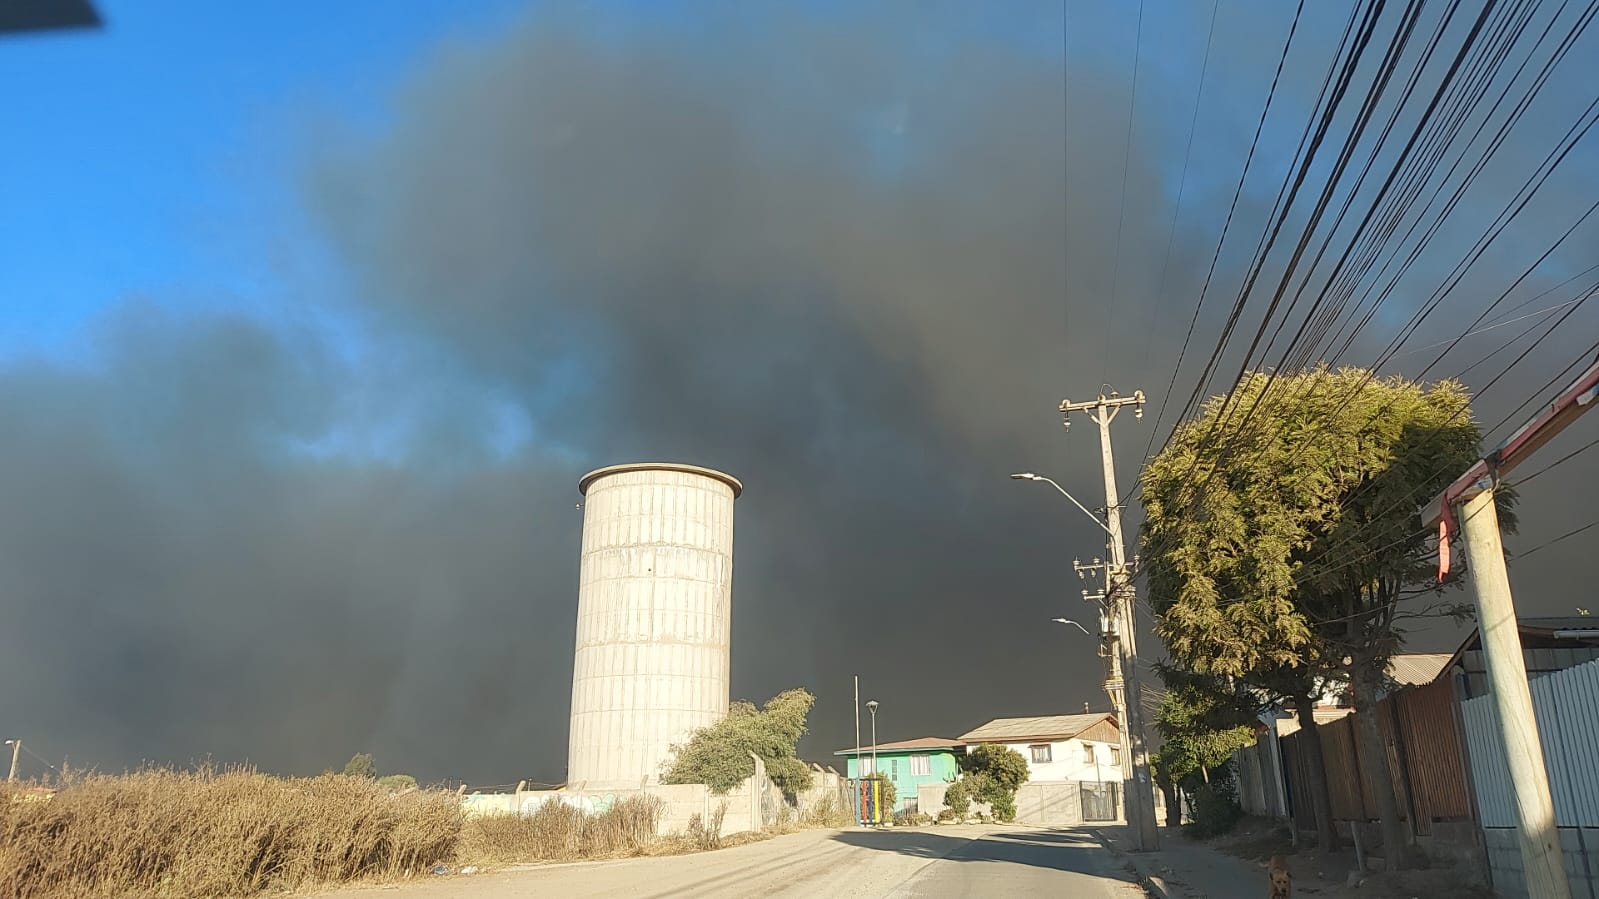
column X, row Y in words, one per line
column 1579, row 849
column 750, row 806
column 1042, row 804
column 825, row 783
column 653, row 619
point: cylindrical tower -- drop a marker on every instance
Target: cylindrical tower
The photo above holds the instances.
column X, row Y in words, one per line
column 654, row 611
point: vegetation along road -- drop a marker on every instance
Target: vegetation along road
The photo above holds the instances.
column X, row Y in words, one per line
column 935, row 863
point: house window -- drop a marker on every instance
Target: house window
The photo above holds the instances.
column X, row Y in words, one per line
column 1088, row 753
column 921, row 766
column 893, row 769
column 1041, row 753
column 866, row 766
column 1116, row 756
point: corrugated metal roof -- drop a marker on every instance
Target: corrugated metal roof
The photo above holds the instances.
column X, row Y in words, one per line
column 1417, row 668
column 1043, row 727
column 918, row 743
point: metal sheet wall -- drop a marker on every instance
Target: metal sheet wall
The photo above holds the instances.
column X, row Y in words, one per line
column 1566, row 704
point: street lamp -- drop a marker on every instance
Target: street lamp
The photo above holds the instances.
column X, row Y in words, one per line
column 871, row 706
column 1072, row 623
column 1029, row 476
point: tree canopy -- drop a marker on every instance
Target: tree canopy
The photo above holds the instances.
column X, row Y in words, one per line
column 1282, row 529
column 719, row 756
column 1202, row 720
column 992, row 774
column 1282, row 526
column 361, row 765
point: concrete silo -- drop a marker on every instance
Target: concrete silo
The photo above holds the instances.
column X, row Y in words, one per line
column 653, row 617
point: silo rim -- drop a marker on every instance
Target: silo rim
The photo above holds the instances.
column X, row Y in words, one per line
column 584, row 482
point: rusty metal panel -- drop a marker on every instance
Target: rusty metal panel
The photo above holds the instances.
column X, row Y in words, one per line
column 1432, row 744
column 1344, row 782
column 1296, row 768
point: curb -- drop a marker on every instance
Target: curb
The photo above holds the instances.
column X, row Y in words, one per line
column 1153, row 884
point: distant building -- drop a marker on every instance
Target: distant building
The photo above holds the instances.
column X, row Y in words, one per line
column 907, row 764
column 1059, row 747
column 1547, row 645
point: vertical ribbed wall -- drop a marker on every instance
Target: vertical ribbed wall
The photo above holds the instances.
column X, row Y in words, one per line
column 653, row 617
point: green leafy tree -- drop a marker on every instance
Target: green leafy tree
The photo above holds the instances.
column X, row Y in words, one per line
column 1202, row 721
column 397, row 783
column 1282, row 531
column 994, row 773
column 719, row 756
column 360, row 765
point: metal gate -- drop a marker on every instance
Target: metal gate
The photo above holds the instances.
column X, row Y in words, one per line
column 1099, row 800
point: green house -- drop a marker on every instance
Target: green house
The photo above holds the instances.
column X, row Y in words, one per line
column 907, row 764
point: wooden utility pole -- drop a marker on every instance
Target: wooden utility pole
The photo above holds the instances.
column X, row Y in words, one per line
column 1471, row 497
column 16, row 750
column 1121, row 596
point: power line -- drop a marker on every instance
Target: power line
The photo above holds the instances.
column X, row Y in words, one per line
column 1127, row 151
column 1558, row 462
column 1232, row 209
column 1182, row 191
column 1548, row 543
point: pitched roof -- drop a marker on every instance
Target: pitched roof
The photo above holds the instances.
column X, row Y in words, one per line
column 1042, row 727
column 1417, row 668
column 903, row 745
column 1578, row 628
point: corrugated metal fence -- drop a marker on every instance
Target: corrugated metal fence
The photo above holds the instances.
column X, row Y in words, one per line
column 1567, row 707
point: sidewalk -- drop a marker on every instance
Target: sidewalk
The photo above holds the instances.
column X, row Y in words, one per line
column 1181, row 869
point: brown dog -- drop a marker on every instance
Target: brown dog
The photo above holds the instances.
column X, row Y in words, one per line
column 1282, row 879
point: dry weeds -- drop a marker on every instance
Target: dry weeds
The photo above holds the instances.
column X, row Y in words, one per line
column 204, row 833
column 560, row 832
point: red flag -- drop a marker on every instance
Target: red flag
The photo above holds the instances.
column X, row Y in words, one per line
column 1443, row 543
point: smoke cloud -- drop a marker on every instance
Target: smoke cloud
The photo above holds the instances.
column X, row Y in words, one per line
column 856, row 260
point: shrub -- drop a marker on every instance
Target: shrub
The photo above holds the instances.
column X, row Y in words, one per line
column 992, row 774
column 719, row 756
column 360, row 765
column 945, row 815
column 888, row 796
column 397, row 783
column 1215, row 809
column 959, row 797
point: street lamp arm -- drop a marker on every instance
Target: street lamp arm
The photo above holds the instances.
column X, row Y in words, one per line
column 1029, row 476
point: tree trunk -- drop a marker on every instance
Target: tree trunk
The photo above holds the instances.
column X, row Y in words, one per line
column 1174, row 805
column 1321, row 800
column 1368, row 737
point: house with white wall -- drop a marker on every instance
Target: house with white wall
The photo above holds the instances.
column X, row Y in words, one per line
column 1083, row 747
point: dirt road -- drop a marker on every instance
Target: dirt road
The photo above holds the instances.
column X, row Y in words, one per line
column 935, row 863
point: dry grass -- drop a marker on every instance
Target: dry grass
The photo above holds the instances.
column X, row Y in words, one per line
column 169, row 833
column 559, row 832
column 172, row 834
column 829, row 812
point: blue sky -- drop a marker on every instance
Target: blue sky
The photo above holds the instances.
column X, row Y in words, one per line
column 156, row 157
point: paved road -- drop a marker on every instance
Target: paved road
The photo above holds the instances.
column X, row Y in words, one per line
column 936, row 863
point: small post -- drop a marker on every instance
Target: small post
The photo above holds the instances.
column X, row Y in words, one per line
column 16, row 751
